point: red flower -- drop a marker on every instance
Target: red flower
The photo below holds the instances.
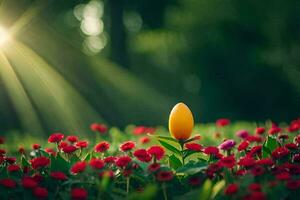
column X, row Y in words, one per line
column 280, row 152
column 97, row 163
column 254, row 138
column 13, row 168
column 62, row 144
column 291, row 146
column 37, row 177
column 126, row 172
column 283, row 176
column 296, row 158
column 293, row 184
column 256, row 150
column 50, row 151
column 154, row 167
column 36, row 146
column 40, row 192
column 142, row 155
column 78, row 167
column 156, row 151
column 228, row 162
column 254, row 187
column 144, row 140
column 260, row 130
column 222, row 122
column 101, row 147
column 274, row 130
column 55, row 137
column 293, row 128
column 82, row 144
column 110, row 159
column 194, row 181
column 241, row 172
column 59, row 176
column 79, row 194
column 123, row 161
column 164, row 176
column 193, row 146
column 246, row 161
column 211, row 150
column 21, row 150
column 28, row 182
column 257, row 170
column 231, row 189
column 7, row 182
column 10, row 160
column 127, row 146
column 69, row 149
column 243, row 145
column 39, row 162
column 101, row 128
column 72, row 138
column 265, row 161
column 143, row 130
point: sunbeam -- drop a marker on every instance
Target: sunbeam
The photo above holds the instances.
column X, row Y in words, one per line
column 22, row 103
column 58, row 101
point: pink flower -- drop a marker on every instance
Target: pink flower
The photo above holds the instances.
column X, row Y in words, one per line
column 242, row 134
column 227, row 144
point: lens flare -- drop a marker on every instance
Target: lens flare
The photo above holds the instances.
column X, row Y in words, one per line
column 4, row 35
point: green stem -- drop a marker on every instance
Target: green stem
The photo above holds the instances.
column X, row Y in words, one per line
column 127, row 185
column 182, row 146
column 164, row 191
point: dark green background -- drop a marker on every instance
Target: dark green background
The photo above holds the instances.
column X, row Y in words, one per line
column 224, row 58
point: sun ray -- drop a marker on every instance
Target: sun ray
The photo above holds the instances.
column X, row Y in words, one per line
column 41, row 78
column 20, row 99
column 27, row 17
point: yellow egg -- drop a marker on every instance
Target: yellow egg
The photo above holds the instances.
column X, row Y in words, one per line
column 181, row 122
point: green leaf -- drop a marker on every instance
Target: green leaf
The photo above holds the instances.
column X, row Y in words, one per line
column 192, row 168
column 174, row 162
column 24, row 162
column 88, row 156
column 206, row 190
column 269, row 146
column 169, row 147
column 163, row 137
column 217, row 188
column 148, row 193
column 59, row 164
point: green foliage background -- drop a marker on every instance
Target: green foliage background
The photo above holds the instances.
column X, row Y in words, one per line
column 224, row 58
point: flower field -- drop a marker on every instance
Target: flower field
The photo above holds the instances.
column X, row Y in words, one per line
column 216, row 161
